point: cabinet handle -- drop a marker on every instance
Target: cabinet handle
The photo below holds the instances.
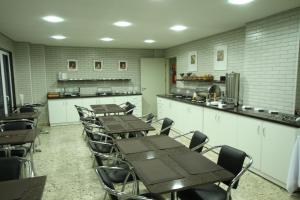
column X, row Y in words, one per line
column 218, row 117
column 264, row 131
column 258, row 130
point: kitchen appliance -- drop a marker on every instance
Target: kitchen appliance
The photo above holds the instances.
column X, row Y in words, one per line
column 72, row 92
column 212, row 92
column 232, row 88
column 104, row 91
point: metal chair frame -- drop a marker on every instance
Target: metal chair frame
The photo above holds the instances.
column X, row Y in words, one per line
column 238, row 176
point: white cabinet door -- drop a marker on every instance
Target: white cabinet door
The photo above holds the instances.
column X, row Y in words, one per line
column 87, row 102
column 72, row 114
column 210, row 126
column 227, row 129
column 278, row 142
column 57, row 111
column 105, row 100
column 249, row 138
column 193, row 119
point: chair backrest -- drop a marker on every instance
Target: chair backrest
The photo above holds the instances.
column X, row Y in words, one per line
column 198, row 138
column 129, row 108
column 17, row 125
column 25, row 109
column 106, row 182
column 149, row 118
column 166, row 126
column 10, row 168
column 79, row 110
column 232, row 160
column 93, row 147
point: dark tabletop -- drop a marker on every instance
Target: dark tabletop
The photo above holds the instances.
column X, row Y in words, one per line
column 120, row 124
column 17, row 116
column 164, row 166
column 18, row 136
column 107, row 108
column 25, row 189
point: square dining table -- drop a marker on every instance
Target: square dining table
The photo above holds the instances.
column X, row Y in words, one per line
column 25, row 189
column 106, row 109
column 121, row 124
column 166, row 166
column 19, row 116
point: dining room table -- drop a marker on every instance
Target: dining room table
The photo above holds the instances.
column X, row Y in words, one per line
column 19, row 116
column 123, row 124
column 165, row 165
column 20, row 137
column 23, row 189
column 106, row 109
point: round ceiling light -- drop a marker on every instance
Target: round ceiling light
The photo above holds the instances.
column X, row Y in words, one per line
column 149, row 41
column 53, row 19
column 122, row 23
column 58, row 37
column 240, row 2
column 178, row 28
column 107, row 39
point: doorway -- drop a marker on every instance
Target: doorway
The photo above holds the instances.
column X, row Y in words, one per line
column 172, row 73
column 153, row 82
column 7, row 97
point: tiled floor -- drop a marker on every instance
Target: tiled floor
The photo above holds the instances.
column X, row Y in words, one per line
column 67, row 162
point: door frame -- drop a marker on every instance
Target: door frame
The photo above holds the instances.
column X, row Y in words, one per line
column 11, row 81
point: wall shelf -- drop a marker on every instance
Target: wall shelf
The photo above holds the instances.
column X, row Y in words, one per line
column 202, row 81
column 92, row 80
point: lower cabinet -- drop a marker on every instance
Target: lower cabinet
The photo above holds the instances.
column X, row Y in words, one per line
column 220, row 127
column 63, row 111
column 186, row 117
column 269, row 144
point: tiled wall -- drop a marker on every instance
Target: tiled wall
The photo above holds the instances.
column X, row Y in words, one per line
column 37, row 67
column 265, row 52
column 271, row 60
column 56, row 61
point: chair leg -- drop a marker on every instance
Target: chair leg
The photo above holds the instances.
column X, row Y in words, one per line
column 105, row 196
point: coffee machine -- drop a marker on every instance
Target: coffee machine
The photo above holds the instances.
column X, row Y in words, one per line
column 232, row 91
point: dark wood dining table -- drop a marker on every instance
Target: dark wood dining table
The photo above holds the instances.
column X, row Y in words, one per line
column 25, row 189
column 166, row 166
column 16, row 137
column 121, row 124
column 106, row 109
column 18, row 116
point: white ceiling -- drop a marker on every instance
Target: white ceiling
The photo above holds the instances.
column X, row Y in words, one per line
column 88, row 20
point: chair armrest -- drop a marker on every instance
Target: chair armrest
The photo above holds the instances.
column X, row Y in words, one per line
column 200, row 145
column 158, row 120
column 181, row 135
column 210, row 149
column 98, row 142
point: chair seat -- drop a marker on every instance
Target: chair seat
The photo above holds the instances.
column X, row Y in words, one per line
column 135, row 134
column 102, row 148
column 118, row 175
column 153, row 196
column 207, row 192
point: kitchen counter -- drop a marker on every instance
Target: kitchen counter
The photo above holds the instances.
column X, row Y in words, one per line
column 280, row 118
column 93, row 95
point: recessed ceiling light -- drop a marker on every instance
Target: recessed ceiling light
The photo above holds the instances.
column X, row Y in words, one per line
column 58, row 37
column 178, row 28
column 149, row 41
column 107, row 39
column 122, row 24
column 239, row 2
column 53, row 19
